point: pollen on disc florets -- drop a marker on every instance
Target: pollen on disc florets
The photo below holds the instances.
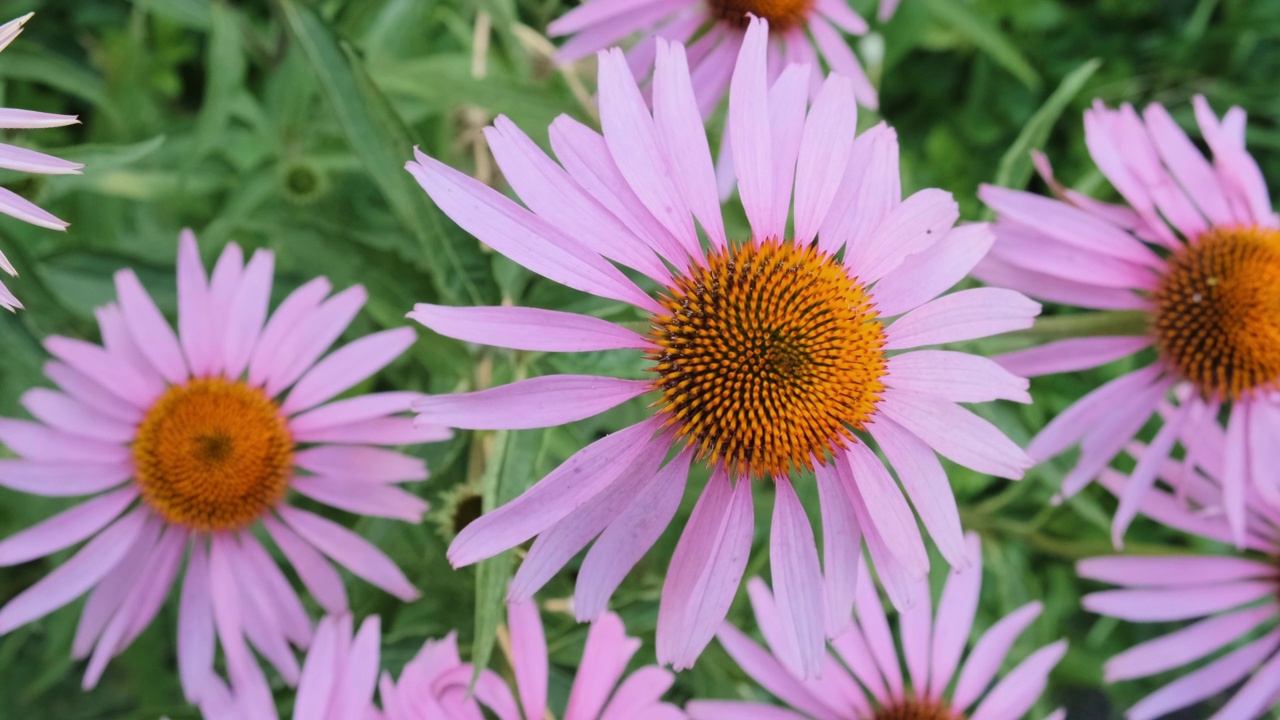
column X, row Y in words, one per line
column 781, row 14
column 213, row 455
column 770, row 357
column 917, row 710
column 1217, row 311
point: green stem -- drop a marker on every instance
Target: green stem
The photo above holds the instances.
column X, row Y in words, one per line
column 1091, row 324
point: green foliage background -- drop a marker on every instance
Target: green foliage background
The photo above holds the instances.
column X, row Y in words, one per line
column 285, row 124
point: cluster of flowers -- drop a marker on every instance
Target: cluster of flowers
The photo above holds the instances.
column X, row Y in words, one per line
column 796, row 350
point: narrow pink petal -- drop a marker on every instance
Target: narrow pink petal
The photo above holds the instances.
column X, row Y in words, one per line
column 15, row 118
column 529, row 656
column 683, row 140
column 912, row 227
column 875, row 629
column 797, row 581
column 1142, row 158
column 321, row 580
column 1143, row 477
column 956, row 433
column 633, row 143
column 926, row 485
column 1071, row 355
column 66, row 528
column 765, row 669
column 828, row 686
column 71, row 579
column 1066, row 429
column 955, row 376
column 923, row 276
column 1185, row 645
column 366, row 464
column 195, row 330
column 522, row 236
column 1234, row 164
column 841, row 549
column 262, row 624
column 604, row 660
column 262, row 569
column 628, row 538
column 739, row 710
column 915, row 625
column 1256, row 697
column 1174, row 604
column 751, row 138
column 901, row 580
column 589, row 472
column 788, row 98
column 106, row 597
column 538, row 402
column 705, row 571
column 1207, row 681
column 1029, row 249
column 825, row 148
column 293, row 313
column 349, row 550
column 88, row 391
column 224, row 283
column 62, row 479
column 22, row 159
column 247, row 680
column 549, row 191
column 835, row 50
column 956, row 611
column 107, row 370
column 248, row 313
column 638, row 693
column 120, row 342
column 70, row 415
column 527, row 328
column 360, row 672
column 195, row 625
column 856, row 654
column 33, row 441
column 964, row 315
column 888, row 509
column 1184, row 160
column 353, row 410
column 558, row 544
column 613, row 31
column 319, row 681
column 155, row 337
column 363, row 498
column 377, row 431
column 1018, row 691
column 591, row 13
column 345, row 367
column 16, row 206
column 992, row 270
column 989, row 654
column 1235, row 472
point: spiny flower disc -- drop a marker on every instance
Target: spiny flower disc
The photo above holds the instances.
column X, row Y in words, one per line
column 771, row 357
column 213, row 455
column 782, row 14
column 1217, row 318
column 917, row 710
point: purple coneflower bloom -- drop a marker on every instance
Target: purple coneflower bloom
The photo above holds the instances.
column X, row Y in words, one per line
column 187, row 441
column 770, row 356
column 863, row 679
column 1196, row 250
column 24, row 160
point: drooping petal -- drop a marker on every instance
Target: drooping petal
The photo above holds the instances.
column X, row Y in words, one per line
column 66, row 528
column 350, row 550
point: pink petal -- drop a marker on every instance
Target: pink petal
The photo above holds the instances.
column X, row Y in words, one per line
column 319, row 682
column 603, row 662
column 739, row 710
column 912, row 227
column 956, row 611
column 772, row 676
column 1185, row 645
column 901, row 580
column 1207, row 681
column 70, row 415
column 66, row 528
column 1174, row 604
column 33, row 441
column 360, row 671
column 1071, row 355
column 705, row 570
column 247, row 313
column 534, row 403
column 22, row 159
column 14, row 118
column 107, row 370
column 1029, row 249
column 841, row 549
column 797, row 580
column 788, row 98
column 989, row 654
column 751, row 137
column 915, row 624
column 195, row 625
column 16, row 206
column 155, row 337
column 964, row 315
column 366, row 464
column 349, row 550
column 363, row 498
column 262, row 570
column 61, row 479
column 354, row 410
column 628, row 538
column 835, row 50
column 956, row 433
column 379, row 431
column 224, row 284
column 875, row 628
column 1017, row 692
column 923, row 276
column 87, row 391
column 292, row 314
column 589, row 472
column 195, row 330
column 106, row 597
column 1066, row 429
column 528, row 328
column 955, row 376
column 71, row 579
column 638, row 693
column 825, row 148
column 529, row 656
column 888, row 509
column 345, row 367
column 246, row 677
column 994, row 271
column 843, row 16
column 321, row 580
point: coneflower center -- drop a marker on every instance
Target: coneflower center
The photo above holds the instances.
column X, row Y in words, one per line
column 917, row 710
column 771, row 356
column 1217, row 317
column 213, row 455
column 781, row 14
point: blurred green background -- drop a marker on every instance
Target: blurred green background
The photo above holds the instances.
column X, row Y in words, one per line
column 286, row 124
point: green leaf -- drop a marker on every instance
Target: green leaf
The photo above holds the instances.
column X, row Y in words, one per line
column 960, row 17
column 225, row 64
column 460, row 273
column 1015, row 166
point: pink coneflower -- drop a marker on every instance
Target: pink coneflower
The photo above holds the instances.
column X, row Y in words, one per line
column 190, row 440
column 866, row 662
column 21, row 159
column 770, row 356
column 1233, row 597
column 1197, row 250
column 800, row 31
column 340, row 674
